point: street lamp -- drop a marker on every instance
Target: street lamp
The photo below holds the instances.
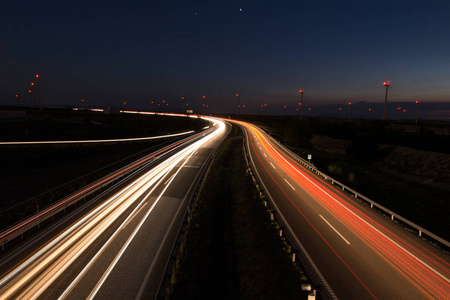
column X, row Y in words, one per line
column 417, row 110
column 204, row 104
column 302, row 91
column 238, row 103
column 39, row 89
column 33, row 94
column 387, row 84
column 349, row 111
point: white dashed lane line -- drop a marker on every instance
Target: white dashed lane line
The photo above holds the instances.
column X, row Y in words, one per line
column 335, row 230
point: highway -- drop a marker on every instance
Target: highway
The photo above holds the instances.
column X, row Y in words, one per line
column 119, row 247
column 357, row 252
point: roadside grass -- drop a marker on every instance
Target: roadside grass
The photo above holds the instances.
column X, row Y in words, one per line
column 232, row 250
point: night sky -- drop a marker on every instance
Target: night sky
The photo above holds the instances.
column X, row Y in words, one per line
column 109, row 52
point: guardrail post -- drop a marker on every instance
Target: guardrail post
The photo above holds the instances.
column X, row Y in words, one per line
column 281, row 232
column 356, row 196
column 420, row 232
column 271, row 216
column 392, row 216
column 293, row 257
column 312, row 295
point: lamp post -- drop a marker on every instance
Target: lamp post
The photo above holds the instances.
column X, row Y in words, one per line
column 238, row 103
column 387, row 84
column 302, row 91
column 39, row 89
column 349, row 111
column 33, row 94
column 204, row 104
column 417, row 110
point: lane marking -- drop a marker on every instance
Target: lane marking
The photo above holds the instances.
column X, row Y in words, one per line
column 289, row 184
column 272, row 165
column 265, row 155
column 335, row 230
column 363, row 220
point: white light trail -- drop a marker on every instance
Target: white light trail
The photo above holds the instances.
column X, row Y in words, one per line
column 31, row 277
column 100, row 141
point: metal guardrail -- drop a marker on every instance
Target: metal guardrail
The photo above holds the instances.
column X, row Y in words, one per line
column 394, row 216
column 36, row 219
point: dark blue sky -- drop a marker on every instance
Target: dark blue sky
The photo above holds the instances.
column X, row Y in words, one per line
column 108, row 52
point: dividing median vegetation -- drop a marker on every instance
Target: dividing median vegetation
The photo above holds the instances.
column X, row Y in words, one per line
column 232, row 249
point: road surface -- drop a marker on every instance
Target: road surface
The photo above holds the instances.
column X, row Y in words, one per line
column 359, row 253
column 119, row 248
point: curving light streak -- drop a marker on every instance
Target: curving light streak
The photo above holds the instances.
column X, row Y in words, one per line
column 31, row 277
column 41, row 215
column 429, row 274
column 100, row 141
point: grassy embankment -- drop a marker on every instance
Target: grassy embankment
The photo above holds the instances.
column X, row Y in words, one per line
column 232, row 249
